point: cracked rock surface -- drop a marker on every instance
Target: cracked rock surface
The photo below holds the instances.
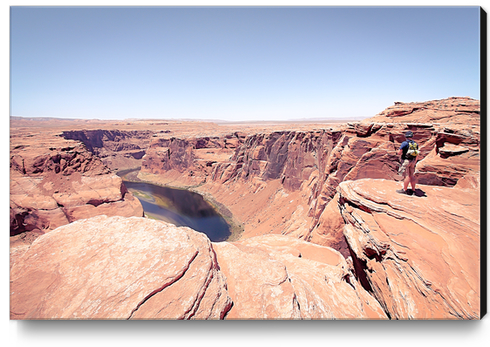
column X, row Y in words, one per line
column 137, row 268
column 118, row 268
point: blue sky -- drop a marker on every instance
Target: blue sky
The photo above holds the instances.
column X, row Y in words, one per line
column 238, row 63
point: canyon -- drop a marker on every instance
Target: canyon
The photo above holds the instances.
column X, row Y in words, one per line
column 318, row 229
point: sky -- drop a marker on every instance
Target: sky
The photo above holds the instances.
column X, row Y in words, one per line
column 238, row 63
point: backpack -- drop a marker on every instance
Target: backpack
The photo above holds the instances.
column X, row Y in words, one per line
column 413, row 149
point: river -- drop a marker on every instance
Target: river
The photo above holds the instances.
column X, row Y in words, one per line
column 178, row 206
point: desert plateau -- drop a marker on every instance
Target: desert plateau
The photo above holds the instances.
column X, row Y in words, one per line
column 315, row 226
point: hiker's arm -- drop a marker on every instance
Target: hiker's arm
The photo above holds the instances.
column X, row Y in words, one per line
column 403, row 145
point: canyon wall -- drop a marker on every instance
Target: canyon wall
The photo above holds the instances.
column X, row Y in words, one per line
column 54, row 182
column 325, row 235
column 189, row 159
column 118, row 149
column 282, row 182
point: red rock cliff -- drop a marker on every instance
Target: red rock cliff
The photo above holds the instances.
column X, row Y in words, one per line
column 116, row 148
column 55, row 181
column 378, row 254
column 282, row 182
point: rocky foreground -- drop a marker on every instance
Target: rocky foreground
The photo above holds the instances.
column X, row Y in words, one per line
column 325, row 235
column 410, row 258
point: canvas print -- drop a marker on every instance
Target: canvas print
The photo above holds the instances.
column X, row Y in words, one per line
column 245, row 163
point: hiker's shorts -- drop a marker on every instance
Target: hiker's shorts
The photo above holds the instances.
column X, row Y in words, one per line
column 407, row 168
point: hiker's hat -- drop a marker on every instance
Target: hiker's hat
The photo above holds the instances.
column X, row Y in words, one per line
column 409, row 134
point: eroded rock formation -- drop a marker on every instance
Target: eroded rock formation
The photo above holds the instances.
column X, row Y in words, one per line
column 282, row 169
column 325, row 235
column 188, row 160
column 55, row 181
column 419, row 255
column 280, row 277
column 461, row 111
column 117, row 149
column 411, row 257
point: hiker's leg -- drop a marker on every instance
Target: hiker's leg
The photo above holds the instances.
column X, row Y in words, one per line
column 403, row 171
column 412, row 182
column 412, row 175
column 406, row 181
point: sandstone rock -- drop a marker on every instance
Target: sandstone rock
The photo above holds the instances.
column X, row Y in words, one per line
column 418, row 255
column 309, row 166
column 34, row 206
column 330, row 229
column 456, row 153
column 456, row 110
column 187, row 161
column 117, row 149
column 287, row 180
column 118, row 268
column 136, row 268
column 129, row 206
column 471, row 181
column 279, row 277
column 54, row 181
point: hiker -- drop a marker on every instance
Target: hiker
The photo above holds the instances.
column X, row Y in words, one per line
column 408, row 152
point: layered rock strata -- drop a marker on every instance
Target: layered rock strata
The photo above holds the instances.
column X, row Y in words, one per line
column 117, row 149
column 280, row 277
column 188, row 161
column 418, row 255
column 462, row 111
column 55, row 181
column 294, row 174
